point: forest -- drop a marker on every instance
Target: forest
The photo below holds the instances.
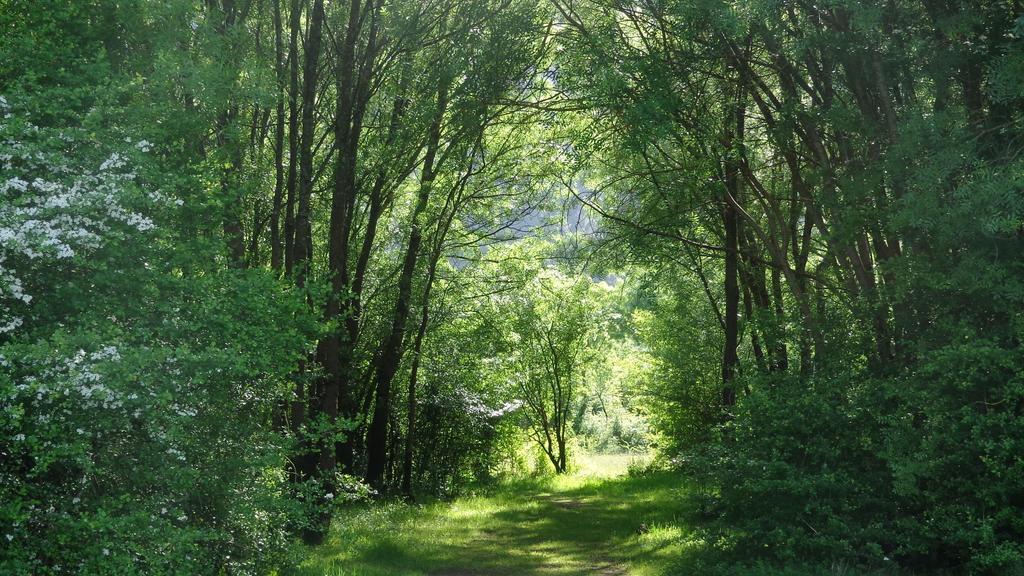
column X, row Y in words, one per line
column 512, row 287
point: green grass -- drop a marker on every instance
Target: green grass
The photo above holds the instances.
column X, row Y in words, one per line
column 586, row 523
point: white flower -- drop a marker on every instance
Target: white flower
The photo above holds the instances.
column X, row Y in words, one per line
column 106, row 353
column 12, row 324
column 106, row 552
column 63, row 211
column 16, row 183
column 115, row 161
column 141, row 223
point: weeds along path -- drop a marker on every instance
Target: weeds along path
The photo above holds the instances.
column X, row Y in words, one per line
column 555, row 527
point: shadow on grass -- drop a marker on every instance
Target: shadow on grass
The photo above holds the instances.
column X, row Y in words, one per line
column 559, row 527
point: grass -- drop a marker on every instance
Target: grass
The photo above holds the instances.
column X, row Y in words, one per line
column 597, row 521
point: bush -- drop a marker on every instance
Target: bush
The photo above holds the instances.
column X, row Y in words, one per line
column 797, row 475
column 137, row 393
column 868, row 471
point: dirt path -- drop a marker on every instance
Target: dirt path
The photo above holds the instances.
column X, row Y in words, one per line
column 620, row 526
column 561, row 533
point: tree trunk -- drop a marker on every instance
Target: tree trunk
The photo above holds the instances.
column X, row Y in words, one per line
column 378, row 204
column 301, row 248
column 417, row 347
column 279, row 124
column 309, row 88
column 730, row 220
column 390, row 353
column 295, row 22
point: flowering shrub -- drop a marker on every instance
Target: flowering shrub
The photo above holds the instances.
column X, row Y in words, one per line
column 52, row 207
column 136, row 398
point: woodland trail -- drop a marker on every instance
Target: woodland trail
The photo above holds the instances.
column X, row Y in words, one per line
column 577, row 525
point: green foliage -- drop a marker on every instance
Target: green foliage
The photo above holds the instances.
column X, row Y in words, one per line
column 237, row 271
column 798, row 475
column 137, row 386
column 610, row 417
column 919, row 467
column 680, row 393
column 873, row 153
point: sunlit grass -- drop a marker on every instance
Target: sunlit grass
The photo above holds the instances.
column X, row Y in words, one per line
column 606, row 465
column 598, row 520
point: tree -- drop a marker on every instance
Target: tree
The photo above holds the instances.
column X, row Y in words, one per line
column 788, row 160
column 555, row 323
